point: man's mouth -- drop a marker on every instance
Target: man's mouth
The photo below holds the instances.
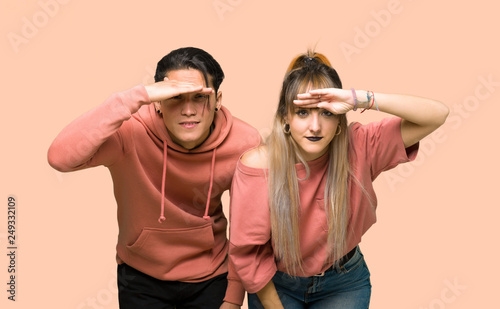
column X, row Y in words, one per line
column 314, row 138
column 189, row 124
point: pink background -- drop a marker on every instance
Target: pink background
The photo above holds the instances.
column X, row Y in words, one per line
column 435, row 243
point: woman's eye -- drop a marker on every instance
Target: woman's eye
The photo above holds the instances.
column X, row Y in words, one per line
column 327, row 113
column 301, row 113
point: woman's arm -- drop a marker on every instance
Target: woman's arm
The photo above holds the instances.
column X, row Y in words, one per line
column 420, row 116
column 269, row 296
column 250, row 249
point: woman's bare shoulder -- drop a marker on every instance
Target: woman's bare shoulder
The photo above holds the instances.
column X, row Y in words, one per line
column 256, row 157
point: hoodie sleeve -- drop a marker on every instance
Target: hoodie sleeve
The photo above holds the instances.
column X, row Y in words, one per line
column 250, row 248
column 96, row 131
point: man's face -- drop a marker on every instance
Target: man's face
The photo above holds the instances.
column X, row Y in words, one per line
column 188, row 116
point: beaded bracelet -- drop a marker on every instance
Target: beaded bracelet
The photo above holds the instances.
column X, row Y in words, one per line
column 355, row 99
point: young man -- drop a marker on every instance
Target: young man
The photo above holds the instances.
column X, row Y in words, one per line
column 171, row 149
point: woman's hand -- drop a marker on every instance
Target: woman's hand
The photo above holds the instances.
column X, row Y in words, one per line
column 167, row 89
column 335, row 100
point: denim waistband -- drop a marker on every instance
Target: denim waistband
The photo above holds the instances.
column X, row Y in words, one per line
column 340, row 262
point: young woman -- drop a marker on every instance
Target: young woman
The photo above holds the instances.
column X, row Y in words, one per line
column 300, row 204
column 170, row 162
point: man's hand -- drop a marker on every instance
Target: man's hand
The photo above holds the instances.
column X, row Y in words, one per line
column 166, row 89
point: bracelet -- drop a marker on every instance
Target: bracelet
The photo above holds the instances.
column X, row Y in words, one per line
column 355, row 99
column 368, row 101
column 369, row 98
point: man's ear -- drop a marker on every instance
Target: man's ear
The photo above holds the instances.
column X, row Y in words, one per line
column 218, row 102
column 157, row 106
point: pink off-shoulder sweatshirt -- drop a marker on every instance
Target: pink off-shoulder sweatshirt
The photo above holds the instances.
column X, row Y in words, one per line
column 374, row 148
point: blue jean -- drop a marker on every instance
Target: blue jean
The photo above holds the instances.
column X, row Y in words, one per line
column 347, row 288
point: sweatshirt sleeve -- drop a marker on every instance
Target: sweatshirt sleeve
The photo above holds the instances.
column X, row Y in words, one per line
column 250, row 249
column 235, row 293
column 93, row 138
column 382, row 144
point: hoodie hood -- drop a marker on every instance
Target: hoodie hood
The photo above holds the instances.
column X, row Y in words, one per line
column 156, row 128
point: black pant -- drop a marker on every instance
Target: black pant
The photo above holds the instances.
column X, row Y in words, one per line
column 137, row 290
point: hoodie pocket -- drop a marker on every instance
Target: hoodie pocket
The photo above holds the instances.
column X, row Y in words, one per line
column 182, row 254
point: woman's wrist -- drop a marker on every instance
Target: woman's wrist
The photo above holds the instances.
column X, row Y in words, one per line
column 363, row 99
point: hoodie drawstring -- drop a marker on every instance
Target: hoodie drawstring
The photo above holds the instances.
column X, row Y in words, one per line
column 206, row 216
column 162, row 217
column 162, row 213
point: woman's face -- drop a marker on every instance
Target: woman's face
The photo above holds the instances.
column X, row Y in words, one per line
column 312, row 129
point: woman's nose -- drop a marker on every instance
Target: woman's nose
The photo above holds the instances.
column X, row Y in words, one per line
column 314, row 125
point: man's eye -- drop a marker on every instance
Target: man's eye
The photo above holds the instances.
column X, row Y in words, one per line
column 200, row 97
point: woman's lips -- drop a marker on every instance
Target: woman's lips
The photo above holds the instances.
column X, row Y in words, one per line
column 314, row 138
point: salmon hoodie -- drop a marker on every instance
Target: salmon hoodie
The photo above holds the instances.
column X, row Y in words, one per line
column 170, row 217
